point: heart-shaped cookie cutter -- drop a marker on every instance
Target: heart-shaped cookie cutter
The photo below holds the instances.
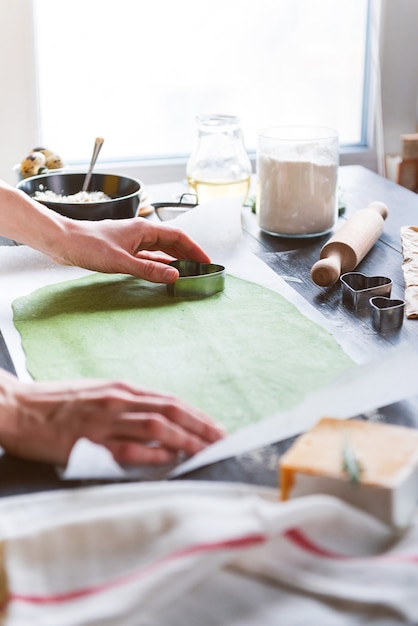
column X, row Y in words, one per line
column 357, row 289
column 387, row 313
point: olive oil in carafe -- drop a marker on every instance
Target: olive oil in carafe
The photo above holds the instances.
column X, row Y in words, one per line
column 206, row 190
column 219, row 166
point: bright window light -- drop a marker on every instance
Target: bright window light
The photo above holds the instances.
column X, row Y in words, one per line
column 137, row 73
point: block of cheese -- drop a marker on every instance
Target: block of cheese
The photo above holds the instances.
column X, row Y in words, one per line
column 372, row 466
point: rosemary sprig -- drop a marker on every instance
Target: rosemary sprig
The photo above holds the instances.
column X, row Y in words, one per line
column 351, row 465
column 251, row 203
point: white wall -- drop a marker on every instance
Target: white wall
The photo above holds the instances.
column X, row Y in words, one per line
column 17, row 97
column 399, row 68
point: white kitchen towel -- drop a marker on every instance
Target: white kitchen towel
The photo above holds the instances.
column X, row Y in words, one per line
column 204, row 554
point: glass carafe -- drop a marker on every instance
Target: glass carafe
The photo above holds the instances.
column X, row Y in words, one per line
column 219, row 166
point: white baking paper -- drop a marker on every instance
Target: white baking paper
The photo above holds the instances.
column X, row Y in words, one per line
column 216, row 225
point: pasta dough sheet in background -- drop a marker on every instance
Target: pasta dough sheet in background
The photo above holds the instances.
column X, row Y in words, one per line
column 241, row 355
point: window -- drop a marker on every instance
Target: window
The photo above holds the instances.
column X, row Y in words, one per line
column 138, row 72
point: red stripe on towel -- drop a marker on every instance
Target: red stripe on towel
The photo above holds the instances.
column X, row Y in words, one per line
column 298, row 538
column 302, row 541
column 228, row 544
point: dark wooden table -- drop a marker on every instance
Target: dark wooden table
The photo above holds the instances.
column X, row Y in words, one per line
column 292, row 259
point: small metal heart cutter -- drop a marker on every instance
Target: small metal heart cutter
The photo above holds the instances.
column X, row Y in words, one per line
column 197, row 279
column 357, row 289
column 387, row 314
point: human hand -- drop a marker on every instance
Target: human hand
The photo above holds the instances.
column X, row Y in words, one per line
column 43, row 420
column 127, row 246
column 130, row 246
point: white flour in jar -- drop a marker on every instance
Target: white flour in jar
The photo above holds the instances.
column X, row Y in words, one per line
column 296, row 198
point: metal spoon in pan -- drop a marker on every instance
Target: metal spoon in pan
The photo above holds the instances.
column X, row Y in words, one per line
column 97, row 147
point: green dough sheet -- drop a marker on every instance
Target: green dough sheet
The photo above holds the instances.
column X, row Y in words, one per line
column 240, row 355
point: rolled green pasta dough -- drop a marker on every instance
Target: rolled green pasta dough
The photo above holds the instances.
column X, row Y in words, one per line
column 240, row 355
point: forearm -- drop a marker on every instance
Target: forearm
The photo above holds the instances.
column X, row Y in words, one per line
column 27, row 221
column 27, row 420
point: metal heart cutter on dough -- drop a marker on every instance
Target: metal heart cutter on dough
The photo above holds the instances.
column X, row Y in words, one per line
column 357, row 289
column 387, row 314
column 197, row 279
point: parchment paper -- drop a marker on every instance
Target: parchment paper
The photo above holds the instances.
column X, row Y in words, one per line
column 217, row 226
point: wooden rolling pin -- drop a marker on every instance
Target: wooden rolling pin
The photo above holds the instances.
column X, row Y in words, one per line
column 344, row 251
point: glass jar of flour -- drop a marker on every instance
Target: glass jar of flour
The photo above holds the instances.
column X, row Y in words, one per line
column 219, row 166
column 297, row 170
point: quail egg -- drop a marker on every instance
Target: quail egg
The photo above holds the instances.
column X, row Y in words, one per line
column 33, row 164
